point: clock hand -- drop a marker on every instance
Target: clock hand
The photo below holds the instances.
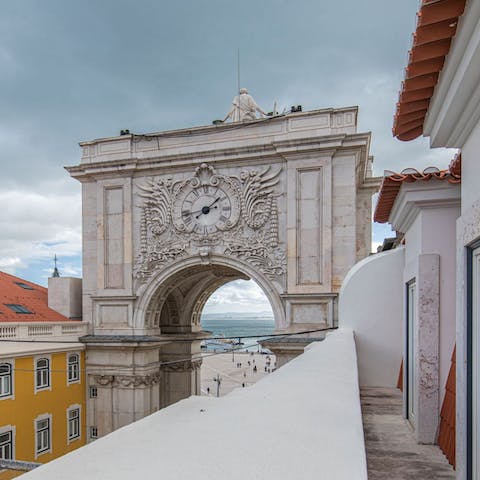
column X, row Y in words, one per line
column 206, row 206
column 214, row 202
column 204, row 211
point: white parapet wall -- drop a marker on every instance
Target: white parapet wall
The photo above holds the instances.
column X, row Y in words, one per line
column 371, row 304
column 301, row 422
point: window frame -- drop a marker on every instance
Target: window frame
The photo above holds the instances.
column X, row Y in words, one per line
column 76, row 379
column 471, row 434
column 48, row 385
column 12, row 430
column 72, row 437
column 18, row 308
column 48, row 429
column 91, row 390
column 11, row 394
column 93, row 432
column 25, row 286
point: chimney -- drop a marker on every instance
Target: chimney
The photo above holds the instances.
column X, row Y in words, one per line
column 65, row 296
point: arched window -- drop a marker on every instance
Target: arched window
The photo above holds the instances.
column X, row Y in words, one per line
column 42, row 373
column 6, row 380
column 73, row 368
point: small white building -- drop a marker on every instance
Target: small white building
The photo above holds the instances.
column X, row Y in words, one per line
column 440, row 98
column 407, row 310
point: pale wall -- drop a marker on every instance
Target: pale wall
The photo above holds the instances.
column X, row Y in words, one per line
column 439, row 234
column 65, row 296
column 471, row 170
column 433, row 232
column 468, row 231
column 371, row 304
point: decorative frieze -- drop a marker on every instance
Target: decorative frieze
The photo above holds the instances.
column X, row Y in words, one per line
column 228, row 215
column 127, row 380
column 182, row 366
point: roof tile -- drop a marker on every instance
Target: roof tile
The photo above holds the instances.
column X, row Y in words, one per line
column 436, row 25
column 392, row 183
column 35, row 300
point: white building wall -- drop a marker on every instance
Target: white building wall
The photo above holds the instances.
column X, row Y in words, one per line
column 468, row 232
column 471, row 170
column 439, row 237
column 371, row 304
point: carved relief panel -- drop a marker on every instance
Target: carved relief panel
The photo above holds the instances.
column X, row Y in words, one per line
column 211, row 213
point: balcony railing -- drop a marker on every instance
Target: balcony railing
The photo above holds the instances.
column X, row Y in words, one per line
column 51, row 330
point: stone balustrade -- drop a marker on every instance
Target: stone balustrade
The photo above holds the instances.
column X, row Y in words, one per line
column 50, row 330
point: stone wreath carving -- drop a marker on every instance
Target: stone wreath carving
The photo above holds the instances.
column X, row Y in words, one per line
column 231, row 215
column 127, row 380
column 182, row 366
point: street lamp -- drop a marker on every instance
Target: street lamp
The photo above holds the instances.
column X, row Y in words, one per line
column 218, row 379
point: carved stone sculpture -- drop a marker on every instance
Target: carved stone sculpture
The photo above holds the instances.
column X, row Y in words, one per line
column 243, row 108
column 233, row 215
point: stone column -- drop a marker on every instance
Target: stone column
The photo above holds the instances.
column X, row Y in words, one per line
column 427, row 353
column 127, row 378
column 180, row 364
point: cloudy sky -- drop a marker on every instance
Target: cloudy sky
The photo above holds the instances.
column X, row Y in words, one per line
column 73, row 71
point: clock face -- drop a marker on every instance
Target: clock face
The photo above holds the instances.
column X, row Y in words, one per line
column 206, row 209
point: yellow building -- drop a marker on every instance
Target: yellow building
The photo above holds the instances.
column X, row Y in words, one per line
column 42, row 378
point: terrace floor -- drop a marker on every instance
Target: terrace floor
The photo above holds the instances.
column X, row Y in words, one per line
column 392, row 451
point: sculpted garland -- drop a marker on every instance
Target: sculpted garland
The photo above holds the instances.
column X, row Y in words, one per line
column 235, row 215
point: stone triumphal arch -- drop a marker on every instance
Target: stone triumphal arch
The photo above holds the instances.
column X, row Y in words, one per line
column 169, row 217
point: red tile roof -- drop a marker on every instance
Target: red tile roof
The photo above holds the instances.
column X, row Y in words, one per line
column 35, row 300
column 436, row 25
column 446, row 435
column 392, row 183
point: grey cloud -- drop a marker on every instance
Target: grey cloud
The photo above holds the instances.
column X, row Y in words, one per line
column 72, row 71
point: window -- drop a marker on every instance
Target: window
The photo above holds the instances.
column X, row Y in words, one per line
column 473, row 360
column 73, row 368
column 42, row 373
column 73, row 419
column 93, row 432
column 17, row 308
column 6, row 445
column 6, row 380
column 25, row 286
column 92, row 392
column 42, row 435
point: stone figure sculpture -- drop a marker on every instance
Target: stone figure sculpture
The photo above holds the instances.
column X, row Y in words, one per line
column 243, row 108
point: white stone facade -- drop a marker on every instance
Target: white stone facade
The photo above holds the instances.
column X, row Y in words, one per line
column 169, row 217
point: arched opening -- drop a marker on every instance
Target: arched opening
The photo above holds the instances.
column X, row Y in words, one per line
column 239, row 316
column 171, row 302
column 171, row 306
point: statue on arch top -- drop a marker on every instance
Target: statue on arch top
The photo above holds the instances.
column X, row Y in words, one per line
column 243, row 108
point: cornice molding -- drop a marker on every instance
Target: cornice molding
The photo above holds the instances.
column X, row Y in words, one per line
column 415, row 197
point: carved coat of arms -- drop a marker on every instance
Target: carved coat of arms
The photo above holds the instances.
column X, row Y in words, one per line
column 235, row 215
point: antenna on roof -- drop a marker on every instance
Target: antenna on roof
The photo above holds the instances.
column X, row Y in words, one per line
column 238, row 71
column 56, row 273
